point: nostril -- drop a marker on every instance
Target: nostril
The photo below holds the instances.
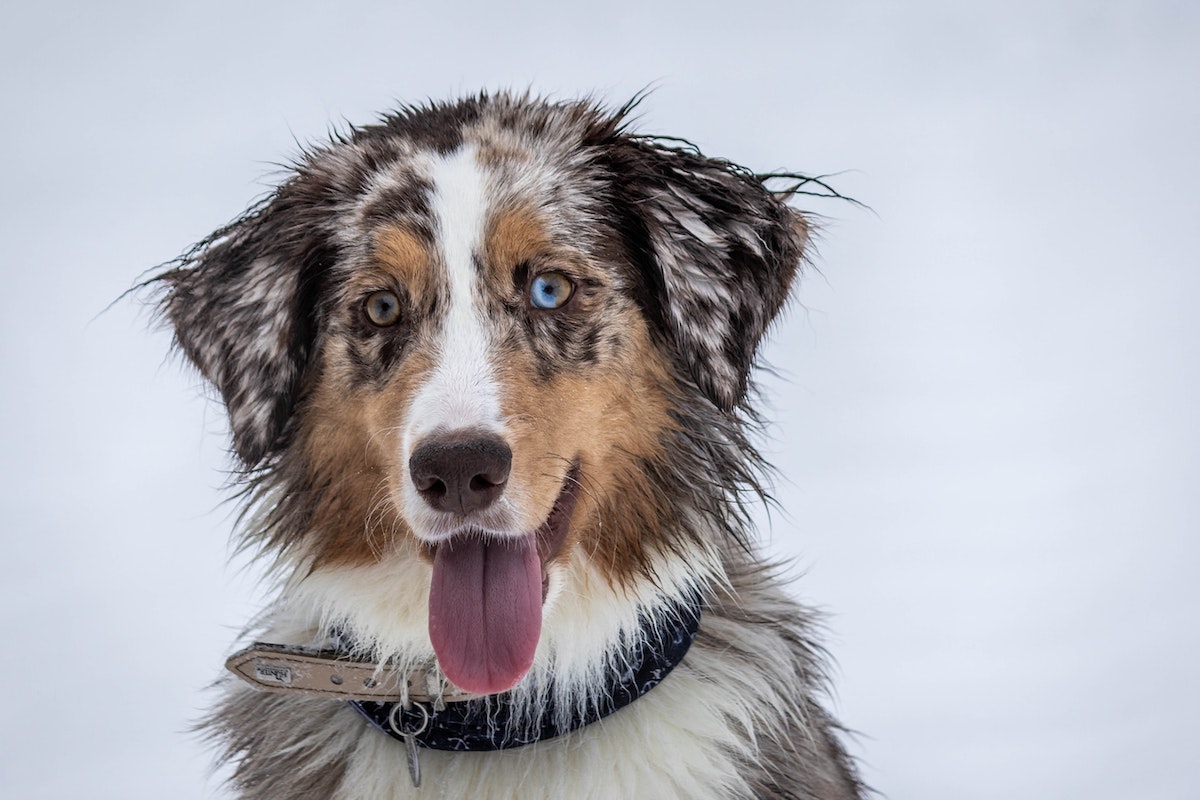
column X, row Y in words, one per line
column 431, row 486
column 482, row 483
column 460, row 472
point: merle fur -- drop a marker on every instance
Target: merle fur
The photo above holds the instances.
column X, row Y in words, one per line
column 655, row 193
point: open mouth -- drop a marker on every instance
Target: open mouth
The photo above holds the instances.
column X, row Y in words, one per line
column 486, row 595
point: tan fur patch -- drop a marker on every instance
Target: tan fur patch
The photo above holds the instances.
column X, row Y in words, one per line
column 520, row 235
column 350, row 436
column 514, row 236
column 352, row 450
column 407, row 257
column 610, row 421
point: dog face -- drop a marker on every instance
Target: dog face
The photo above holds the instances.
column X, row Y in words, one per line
column 475, row 335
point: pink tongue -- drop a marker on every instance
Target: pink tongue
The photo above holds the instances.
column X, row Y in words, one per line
column 485, row 611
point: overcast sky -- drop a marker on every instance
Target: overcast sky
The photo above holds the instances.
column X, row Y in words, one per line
column 985, row 418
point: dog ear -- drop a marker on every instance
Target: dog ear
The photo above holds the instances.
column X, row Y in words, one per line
column 724, row 250
column 240, row 306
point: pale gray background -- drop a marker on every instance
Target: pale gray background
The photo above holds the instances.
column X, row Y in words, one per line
column 986, row 416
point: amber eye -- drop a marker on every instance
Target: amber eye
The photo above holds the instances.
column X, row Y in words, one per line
column 383, row 308
column 550, row 290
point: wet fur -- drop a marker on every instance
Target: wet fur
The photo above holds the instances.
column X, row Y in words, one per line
column 681, row 262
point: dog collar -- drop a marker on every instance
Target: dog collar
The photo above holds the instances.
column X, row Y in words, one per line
column 433, row 715
column 491, row 723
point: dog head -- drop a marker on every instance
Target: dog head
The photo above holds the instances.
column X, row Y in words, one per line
column 476, row 334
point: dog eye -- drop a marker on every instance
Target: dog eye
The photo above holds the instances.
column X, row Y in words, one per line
column 550, row 290
column 382, row 308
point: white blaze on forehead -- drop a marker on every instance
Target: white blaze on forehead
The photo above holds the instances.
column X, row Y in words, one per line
column 461, row 391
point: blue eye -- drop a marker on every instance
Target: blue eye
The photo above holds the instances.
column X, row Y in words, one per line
column 550, row 290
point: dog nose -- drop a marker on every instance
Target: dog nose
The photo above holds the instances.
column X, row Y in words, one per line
column 460, row 473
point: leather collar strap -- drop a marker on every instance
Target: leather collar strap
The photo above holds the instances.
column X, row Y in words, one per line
column 328, row 672
column 486, row 723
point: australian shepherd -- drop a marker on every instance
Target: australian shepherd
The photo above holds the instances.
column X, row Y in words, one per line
column 486, row 367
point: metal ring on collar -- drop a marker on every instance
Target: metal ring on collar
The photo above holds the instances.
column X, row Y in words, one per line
column 396, row 720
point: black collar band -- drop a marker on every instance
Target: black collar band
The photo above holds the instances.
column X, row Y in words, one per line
column 488, row 723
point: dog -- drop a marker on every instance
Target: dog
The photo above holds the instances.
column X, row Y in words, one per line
column 487, row 367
